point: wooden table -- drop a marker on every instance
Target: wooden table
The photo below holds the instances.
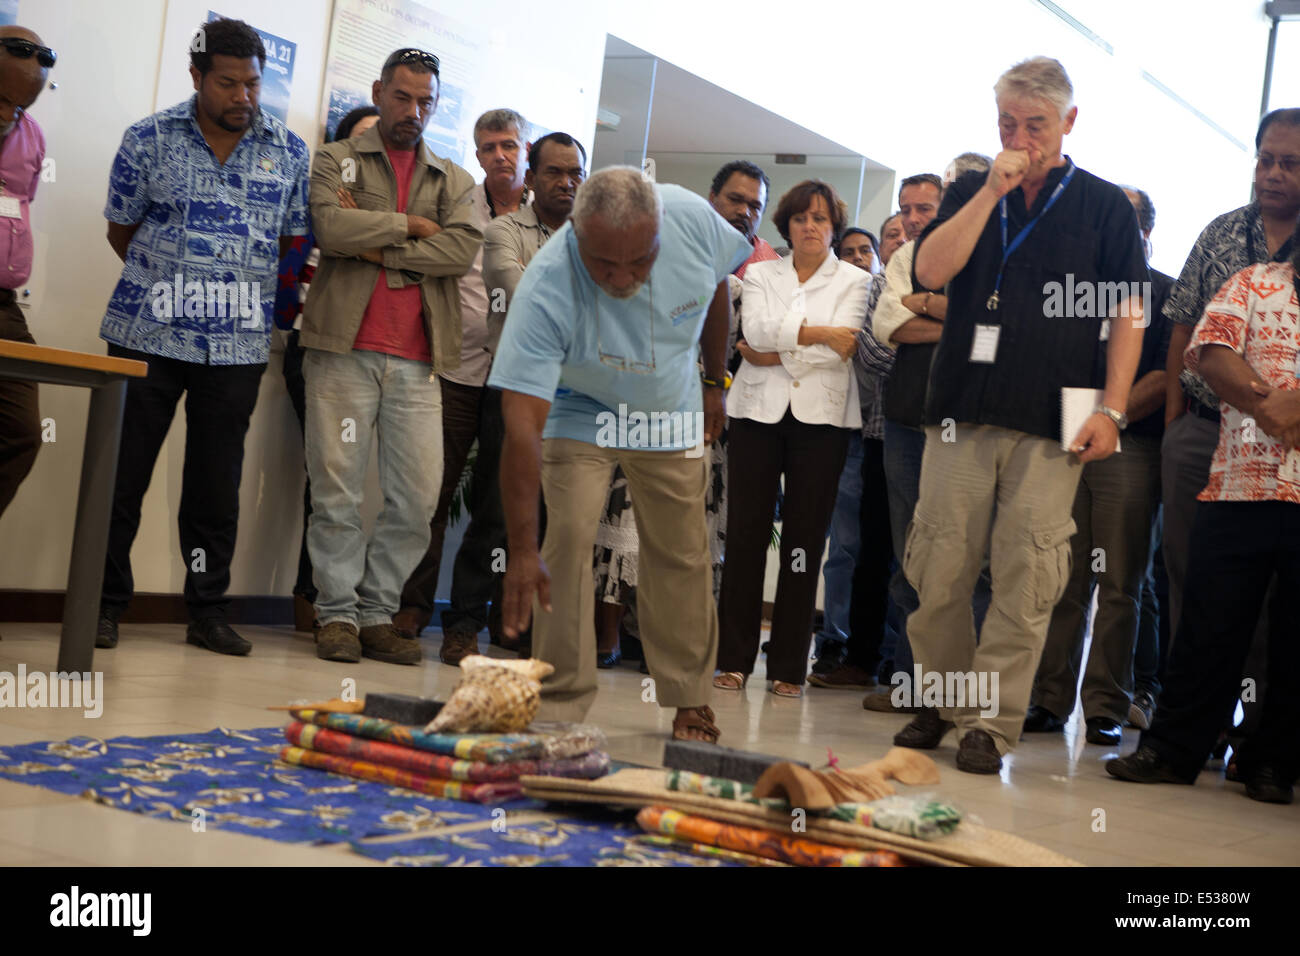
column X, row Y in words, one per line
column 106, row 377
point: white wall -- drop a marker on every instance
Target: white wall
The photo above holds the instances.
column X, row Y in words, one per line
column 932, row 99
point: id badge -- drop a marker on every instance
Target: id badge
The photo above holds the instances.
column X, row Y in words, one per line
column 1105, row 330
column 984, row 348
column 10, row 208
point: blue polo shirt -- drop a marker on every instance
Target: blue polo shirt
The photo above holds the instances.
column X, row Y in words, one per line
column 560, row 322
column 200, row 275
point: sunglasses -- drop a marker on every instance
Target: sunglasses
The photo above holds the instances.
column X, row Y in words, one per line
column 23, row 50
column 412, row 55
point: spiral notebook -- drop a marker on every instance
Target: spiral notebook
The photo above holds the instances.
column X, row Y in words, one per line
column 1077, row 404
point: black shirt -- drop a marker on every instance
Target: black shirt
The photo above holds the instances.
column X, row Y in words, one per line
column 1155, row 348
column 1090, row 235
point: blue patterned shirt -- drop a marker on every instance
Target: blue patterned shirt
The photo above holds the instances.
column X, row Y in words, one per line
column 199, row 280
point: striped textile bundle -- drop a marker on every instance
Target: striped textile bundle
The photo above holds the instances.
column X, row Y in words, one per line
column 376, row 773
column 314, row 737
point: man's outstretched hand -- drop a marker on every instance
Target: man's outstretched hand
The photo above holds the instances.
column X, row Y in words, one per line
column 526, row 576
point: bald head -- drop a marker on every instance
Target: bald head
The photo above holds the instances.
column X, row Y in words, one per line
column 21, row 78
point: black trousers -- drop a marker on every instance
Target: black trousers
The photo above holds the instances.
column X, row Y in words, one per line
column 869, row 602
column 468, row 413
column 219, row 402
column 811, row 458
column 20, row 416
column 296, row 385
column 1236, row 548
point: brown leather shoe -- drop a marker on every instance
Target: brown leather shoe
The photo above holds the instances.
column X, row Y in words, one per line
column 457, row 645
column 409, row 622
column 381, row 642
column 977, row 753
column 924, row 732
column 337, row 641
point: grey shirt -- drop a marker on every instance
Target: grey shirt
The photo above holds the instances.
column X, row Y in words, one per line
column 509, row 244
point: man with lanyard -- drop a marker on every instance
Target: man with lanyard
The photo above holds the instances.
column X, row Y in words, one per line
column 24, row 66
column 995, row 473
column 471, row 410
column 605, row 329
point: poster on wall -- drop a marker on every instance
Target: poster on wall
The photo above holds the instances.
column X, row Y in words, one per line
column 277, row 76
column 362, row 35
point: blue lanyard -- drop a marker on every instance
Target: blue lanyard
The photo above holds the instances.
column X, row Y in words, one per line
column 1020, row 236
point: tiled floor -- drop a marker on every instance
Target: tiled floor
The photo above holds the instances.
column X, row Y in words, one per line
column 1053, row 790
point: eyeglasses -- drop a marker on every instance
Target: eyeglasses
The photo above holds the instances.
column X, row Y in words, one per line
column 619, row 362
column 23, row 50
column 412, row 55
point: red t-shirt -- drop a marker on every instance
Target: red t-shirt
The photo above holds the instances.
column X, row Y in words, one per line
column 394, row 319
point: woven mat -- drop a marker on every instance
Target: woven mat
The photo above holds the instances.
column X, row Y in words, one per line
column 971, row 845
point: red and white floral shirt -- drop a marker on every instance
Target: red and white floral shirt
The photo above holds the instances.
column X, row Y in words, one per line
column 1256, row 314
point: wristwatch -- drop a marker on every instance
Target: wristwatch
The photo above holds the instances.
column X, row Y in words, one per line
column 1119, row 418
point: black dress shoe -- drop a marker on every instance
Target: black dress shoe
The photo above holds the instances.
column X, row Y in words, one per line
column 977, row 753
column 924, row 731
column 607, row 661
column 216, row 635
column 1103, row 730
column 106, row 630
column 1040, row 720
column 1145, row 766
column 1267, row 785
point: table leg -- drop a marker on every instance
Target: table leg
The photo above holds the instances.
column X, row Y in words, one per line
column 90, row 537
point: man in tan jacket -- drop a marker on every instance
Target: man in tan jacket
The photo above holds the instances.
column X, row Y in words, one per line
column 395, row 229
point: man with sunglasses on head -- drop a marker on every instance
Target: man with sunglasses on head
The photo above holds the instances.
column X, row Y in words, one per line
column 24, row 66
column 203, row 198
column 397, row 228
column 602, row 337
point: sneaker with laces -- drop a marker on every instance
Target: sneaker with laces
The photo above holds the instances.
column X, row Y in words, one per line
column 1145, row 765
column 382, row 642
column 1141, row 710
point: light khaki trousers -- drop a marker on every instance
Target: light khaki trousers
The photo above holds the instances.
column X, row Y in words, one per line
column 675, row 607
column 1013, row 493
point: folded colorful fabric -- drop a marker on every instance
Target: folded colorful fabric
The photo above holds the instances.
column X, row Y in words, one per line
column 485, row 748
column 702, row 849
column 920, row 817
column 312, row 737
column 435, row 787
column 764, row 843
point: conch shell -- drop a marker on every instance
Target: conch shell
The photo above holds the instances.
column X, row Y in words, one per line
column 493, row 696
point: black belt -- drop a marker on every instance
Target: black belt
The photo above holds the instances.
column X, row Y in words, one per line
column 8, row 297
column 1201, row 410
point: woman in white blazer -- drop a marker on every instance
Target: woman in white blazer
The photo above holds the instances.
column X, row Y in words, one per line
column 791, row 408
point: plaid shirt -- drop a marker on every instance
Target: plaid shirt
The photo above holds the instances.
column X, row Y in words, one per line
column 872, row 365
column 1227, row 245
column 205, row 228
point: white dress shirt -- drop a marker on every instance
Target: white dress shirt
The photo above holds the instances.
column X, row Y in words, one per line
column 890, row 314
column 812, row 380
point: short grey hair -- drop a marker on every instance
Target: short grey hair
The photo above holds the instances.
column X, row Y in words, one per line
column 620, row 195
column 497, row 121
column 1039, row 77
column 969, row 163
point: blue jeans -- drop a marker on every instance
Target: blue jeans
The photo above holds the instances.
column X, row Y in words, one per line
column 351, row 398
column 837, row 572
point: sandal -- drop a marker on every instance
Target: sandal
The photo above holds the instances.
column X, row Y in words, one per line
column 783, row 688
column 731, row 680
column 696, row 723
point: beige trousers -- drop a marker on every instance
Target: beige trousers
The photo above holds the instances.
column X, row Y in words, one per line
column 1012, row 493
column 675, row 608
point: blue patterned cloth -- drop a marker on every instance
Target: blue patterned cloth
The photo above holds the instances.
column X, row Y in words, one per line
column 231, row 780
column 200, row 277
